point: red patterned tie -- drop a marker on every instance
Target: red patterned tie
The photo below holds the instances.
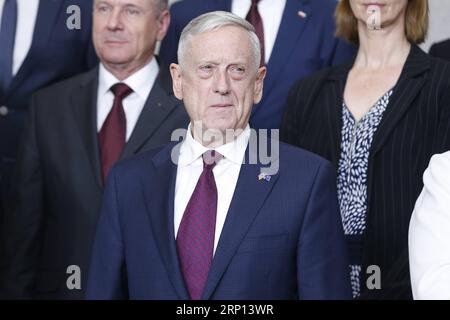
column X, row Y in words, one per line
column 112, row 134
column 254, row 18
column 195, row 239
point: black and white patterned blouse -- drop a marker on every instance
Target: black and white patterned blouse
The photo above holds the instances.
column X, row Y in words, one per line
column 356, row 140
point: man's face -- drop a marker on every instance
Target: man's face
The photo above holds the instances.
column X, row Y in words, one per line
column 219, row 81
column 125, row 31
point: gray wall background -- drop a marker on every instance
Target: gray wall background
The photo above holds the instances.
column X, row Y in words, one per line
column 439, row 21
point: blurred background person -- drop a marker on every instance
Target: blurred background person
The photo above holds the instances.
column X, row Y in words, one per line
column 296, row 37
column 429, row 233
column 37, row 48
column 441, row 50
column 379, row 120
column 438, row 32
column 77, row 130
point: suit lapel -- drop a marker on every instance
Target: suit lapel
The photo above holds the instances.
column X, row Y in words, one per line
column 248, row 198
column 333, row 110
column 406, row 90
column 291, row 28
column 84, row 103
column 161, row 212
column 157, row 108
column 45, row 20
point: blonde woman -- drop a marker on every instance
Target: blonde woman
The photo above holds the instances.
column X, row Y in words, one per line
column 379, row 120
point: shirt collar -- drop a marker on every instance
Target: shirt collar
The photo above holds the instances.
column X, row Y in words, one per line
column 234, row 151
column 141, row 82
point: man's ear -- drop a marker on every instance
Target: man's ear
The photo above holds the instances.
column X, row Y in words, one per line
column 175, row 72
column 259, row 84
column 164, row 22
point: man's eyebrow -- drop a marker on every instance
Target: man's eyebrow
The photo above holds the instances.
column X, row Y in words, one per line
column 199, row 63
column 129, row 5
column 233, row 63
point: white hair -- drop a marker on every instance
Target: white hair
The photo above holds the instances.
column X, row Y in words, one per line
column 213, row 21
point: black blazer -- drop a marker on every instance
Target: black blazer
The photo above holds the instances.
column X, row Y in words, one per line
column 415, row 126
column 57, row 191
column 441, row 50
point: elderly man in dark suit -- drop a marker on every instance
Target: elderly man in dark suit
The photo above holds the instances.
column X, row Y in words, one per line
column 209, row 220
column 297, row 38
column 76, row 130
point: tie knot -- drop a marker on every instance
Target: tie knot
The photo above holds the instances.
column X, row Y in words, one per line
column 121, row 90
column 255, row 2
column 211, row 158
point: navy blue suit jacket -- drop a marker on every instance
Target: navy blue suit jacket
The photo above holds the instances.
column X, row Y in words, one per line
column 56, row 53
column 302, row 46
column 282, row 239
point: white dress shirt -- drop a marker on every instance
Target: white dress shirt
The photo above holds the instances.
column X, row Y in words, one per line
column 27, row 11
column 271, row 14
column 226, row 173
column 141, row 82
column 429, row 233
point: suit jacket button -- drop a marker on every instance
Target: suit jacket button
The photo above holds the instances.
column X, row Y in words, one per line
column 4, row 110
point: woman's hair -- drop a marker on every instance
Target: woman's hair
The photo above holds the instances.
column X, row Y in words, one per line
column 416, row 21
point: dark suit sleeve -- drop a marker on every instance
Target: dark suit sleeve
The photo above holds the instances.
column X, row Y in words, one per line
column 23, row 219
column 334, row 50
column 433, row 51
column 107, row 271
column 442, row 143
column 169, row 46
column 91, row 59
column 343, row 52
column 290, row 122
column 91, row 56
column 441, row 50
column 323, row 269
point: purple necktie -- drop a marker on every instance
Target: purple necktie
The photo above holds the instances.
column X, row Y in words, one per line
column 255, row 19
column 195, row 240
column 113, row 132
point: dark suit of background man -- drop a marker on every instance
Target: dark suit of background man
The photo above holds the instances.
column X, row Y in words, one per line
column 37, row 49
column 441, row 50
column 298, row 40
column 76, row 130
column 202, row 222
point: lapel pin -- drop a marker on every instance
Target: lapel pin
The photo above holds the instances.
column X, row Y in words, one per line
column 264, row 176
column 302, row 14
